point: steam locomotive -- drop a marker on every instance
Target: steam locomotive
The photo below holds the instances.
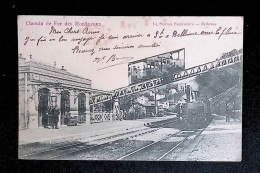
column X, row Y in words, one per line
column 195, row 112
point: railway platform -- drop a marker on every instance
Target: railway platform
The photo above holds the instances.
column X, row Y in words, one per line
column 220, row 141
column 69, row 133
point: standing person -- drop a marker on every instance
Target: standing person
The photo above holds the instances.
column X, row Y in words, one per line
column 45, row 119
column 227, row 113
column 52, row 117
column 55, row 121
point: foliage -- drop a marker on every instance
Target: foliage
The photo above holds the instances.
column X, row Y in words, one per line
column 217, row 81
column 126, row 102
column 222, row 87
column 137, row 111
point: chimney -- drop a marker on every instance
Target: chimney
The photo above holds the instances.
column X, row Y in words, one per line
column 54, row 63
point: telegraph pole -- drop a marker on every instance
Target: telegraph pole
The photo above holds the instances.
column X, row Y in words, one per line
column 156, row 109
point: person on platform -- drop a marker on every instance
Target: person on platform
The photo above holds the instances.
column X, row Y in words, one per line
column 55, row 117
column 45, row 119
column 228, row 112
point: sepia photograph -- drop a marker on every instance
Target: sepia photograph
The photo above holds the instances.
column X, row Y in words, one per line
column 141, row 88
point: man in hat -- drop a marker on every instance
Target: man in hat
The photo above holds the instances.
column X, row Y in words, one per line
column 55, row 117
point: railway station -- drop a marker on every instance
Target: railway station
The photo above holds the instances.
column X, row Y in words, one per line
column 181, row 134
column 130, row 88
column 43, row 86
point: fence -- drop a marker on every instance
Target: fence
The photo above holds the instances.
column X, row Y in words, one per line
column 98, row 117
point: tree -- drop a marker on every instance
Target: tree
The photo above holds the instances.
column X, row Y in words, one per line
column 222, row 86
column 127, row 102
column 217, row 81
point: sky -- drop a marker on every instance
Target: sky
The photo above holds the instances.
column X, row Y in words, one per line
column 199, row 49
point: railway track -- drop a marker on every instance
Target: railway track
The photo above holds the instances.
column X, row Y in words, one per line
column 156, row 150
column 163, row 147
column 75, row 147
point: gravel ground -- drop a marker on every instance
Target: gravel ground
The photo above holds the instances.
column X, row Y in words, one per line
column 161, row 133
column 117, row 149
column 221, row 141
column 110, row 151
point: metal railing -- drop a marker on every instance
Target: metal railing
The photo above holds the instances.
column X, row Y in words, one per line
column 153, row 83
column 98, row 117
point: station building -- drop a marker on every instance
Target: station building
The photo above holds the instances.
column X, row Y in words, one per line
column 43, row 86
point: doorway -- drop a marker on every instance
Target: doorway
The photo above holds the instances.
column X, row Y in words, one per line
column 43, row 107
column 65, row 107
column 81, row 107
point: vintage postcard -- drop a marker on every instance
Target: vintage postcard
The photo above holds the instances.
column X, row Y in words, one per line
column 130, row 88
